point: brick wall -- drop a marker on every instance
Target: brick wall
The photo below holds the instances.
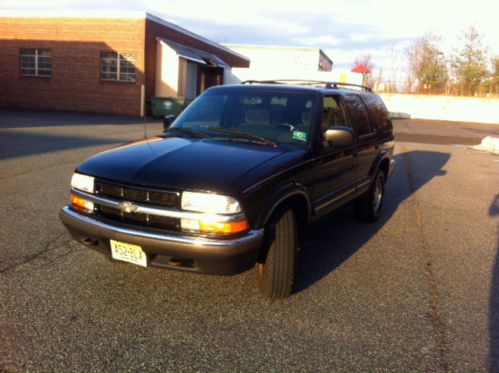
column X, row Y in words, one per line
column 154, row 30
column 75, row 44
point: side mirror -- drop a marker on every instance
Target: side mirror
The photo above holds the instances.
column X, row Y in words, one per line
column 340, row 136
column 168, row 120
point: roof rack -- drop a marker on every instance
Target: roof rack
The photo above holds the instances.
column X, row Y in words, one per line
column 327, row 85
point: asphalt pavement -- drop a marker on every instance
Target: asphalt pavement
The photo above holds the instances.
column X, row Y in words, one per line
column 440, row 132
column 418, row 290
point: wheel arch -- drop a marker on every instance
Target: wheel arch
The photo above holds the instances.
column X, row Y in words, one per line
column 382, row 163
column 294, row 197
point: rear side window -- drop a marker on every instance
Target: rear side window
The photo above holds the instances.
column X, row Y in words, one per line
column 377, row 112
column 358, row 115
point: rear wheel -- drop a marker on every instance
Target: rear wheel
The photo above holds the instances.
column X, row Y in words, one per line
column 276, row 274
column 368, row 207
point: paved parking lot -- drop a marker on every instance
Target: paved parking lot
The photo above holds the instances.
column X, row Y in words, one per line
column 419, row 290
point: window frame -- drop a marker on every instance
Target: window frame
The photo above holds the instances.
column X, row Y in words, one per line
column 341, row 106
column 375, row 104
column 119, row 57
column 36, row 68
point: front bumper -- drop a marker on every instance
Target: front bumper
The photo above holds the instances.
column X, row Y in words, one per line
column 195, row 254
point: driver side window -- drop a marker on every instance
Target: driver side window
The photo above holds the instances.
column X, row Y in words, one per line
column 332, row 113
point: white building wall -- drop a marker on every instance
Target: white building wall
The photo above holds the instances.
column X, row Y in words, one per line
column 167, row 71
column 287, row 57
column 237, row 75
column 268, row 63
column 229, row 77
column 453, row 108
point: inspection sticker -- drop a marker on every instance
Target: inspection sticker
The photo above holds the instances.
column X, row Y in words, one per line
column 299, row 135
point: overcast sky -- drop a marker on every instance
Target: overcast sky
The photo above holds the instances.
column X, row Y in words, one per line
column 344, row 29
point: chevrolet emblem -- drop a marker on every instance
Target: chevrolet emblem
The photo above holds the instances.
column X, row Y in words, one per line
column 127, row 207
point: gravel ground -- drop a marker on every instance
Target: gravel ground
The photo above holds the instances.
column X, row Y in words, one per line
column 419, row 290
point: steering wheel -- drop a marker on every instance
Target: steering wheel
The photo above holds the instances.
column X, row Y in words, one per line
column 286, row 126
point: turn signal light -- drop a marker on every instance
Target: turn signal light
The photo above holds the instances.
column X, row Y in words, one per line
column 81, row 203
column 214, row 227
column 223, row 228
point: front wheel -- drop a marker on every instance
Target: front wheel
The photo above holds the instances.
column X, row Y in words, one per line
column 368, row 207
column 276, row 275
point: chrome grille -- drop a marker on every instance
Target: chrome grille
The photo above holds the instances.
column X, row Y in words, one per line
column 134, row 194
column 143, row 196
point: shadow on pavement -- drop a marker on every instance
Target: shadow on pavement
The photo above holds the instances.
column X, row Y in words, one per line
column 494, row 299
column 28, row 118
column 30, row 132
column 337, row 237
column 492, row 131
column 15, row 144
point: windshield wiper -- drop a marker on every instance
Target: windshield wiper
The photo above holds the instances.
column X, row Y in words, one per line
column 254, row 139
column 188, row 131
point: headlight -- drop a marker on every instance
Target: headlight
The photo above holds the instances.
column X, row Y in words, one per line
column 209, row 203
column 82, row 182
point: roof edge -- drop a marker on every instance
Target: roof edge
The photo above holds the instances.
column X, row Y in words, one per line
column 270, row 46
column 274, row 46
column 178, row 28
column 325, row 55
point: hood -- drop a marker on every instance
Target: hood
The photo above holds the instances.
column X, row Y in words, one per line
column 179, row 163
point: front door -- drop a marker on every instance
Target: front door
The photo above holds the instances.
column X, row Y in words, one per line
column 335, row 168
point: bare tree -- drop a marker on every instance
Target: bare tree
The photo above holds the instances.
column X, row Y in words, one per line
column 494, row 81
column 469, row 63
column 378, row 80
column 427, row 64
column 394, row 81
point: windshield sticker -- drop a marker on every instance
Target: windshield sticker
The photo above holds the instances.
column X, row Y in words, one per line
column 299, row 135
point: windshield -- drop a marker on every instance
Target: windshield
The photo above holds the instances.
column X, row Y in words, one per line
column 267, row 118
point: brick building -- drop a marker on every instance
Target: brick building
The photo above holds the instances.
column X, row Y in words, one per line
column 107, row 64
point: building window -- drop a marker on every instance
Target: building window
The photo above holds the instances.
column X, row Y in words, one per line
column 117, row 66
column 36, row 62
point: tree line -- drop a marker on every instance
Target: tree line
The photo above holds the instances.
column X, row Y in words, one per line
column 468, row 70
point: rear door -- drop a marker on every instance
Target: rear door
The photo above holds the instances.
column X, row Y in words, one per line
column 367, row 147
column 378, row 115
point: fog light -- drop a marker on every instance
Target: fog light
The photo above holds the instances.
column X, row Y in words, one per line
column 81, row 203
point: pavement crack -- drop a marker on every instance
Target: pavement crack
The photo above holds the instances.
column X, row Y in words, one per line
column 435, row 318
column 50, row 246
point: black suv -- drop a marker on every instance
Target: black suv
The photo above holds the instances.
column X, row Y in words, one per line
column 233, row 182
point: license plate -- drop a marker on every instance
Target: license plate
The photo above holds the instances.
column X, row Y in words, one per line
column 128, row 252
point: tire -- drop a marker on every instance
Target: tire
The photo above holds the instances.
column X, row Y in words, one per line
column 368, row 207
column 276, row 275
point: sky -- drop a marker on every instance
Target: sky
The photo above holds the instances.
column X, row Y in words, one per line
column 344, row 29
